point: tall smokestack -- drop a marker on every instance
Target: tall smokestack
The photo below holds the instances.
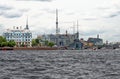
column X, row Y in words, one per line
column 57, row 22
column 27, row 23
column 66, row 32
column 98, row 36
column 77, row 30
column 77, row 26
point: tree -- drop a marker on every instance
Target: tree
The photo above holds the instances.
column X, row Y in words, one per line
column 3, row 41
column 37, row 41
column 51, row 44
column 34, row 42
column 11, row 43
column 3, row 44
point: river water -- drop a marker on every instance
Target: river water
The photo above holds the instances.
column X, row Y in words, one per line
column 60, row 64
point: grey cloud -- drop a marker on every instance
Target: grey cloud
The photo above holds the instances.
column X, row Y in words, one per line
column 12, row 14
column 9, row 12
column 94, row 32
column 114, row 14
column 115, row 9
column 110, row 14
column 5, row 7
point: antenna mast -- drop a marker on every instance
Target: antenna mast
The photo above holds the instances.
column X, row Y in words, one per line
column 27, row 23
column 77, row 30
column 57, row 31
column 77, row 27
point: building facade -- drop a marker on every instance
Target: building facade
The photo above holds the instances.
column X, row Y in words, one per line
column 96, row 41
column 61, row 39
column 19, row 35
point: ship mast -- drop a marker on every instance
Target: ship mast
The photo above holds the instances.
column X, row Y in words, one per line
column 57, row 30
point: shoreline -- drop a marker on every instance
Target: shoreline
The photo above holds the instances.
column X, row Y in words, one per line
column 28, row 48
column 46, row 48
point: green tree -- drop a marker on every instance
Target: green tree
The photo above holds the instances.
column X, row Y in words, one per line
column 51, row 44
column 3, row 44
column 37, row 41
column 3, row 41
column 34, row 42
column 11, row 43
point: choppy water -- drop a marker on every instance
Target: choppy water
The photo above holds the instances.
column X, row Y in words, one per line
column 60, row 64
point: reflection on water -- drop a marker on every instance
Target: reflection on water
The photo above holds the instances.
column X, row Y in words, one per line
column 60, row 64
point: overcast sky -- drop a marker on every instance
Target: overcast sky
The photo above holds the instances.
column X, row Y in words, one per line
column 94, row 16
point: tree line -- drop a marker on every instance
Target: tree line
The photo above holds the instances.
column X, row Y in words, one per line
column 35, row 42
column 40, row 42
column 5, row 43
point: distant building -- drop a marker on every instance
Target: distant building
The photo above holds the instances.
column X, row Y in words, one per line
column 61, row 39
column 19, row 35
column 96, row 41
column 77, row 44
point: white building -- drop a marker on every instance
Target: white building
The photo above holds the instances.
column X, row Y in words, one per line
column 19, row 35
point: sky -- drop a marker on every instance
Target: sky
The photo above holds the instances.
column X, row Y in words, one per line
column 94, row 17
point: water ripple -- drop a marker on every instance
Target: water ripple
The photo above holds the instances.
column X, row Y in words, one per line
column 60, row 64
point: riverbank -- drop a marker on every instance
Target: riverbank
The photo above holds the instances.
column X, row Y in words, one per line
column 28, row 48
